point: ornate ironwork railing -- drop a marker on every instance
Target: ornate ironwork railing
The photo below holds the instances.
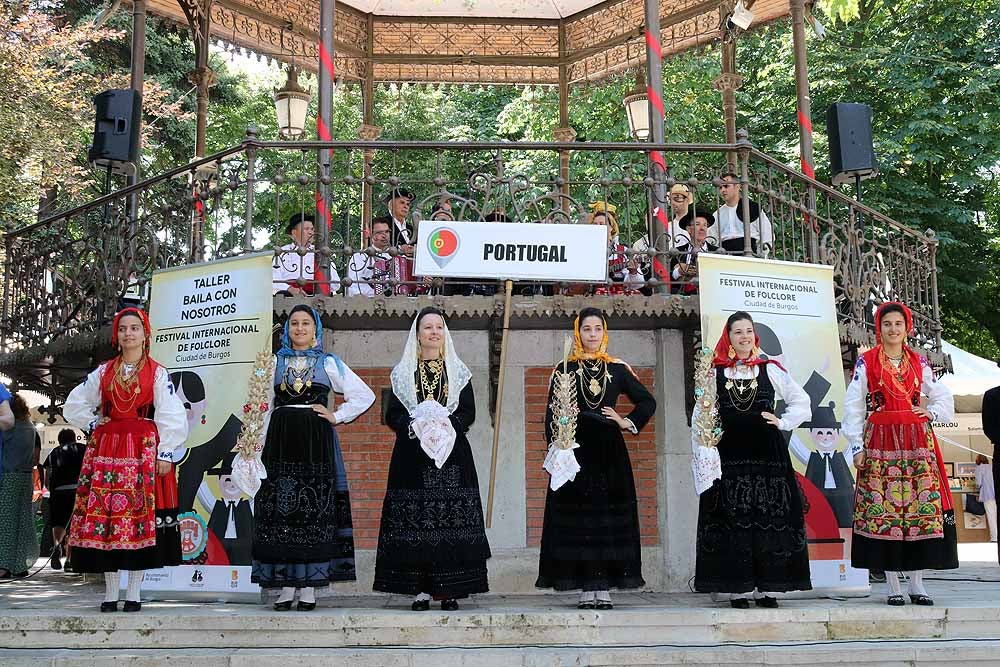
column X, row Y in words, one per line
column 68, row 274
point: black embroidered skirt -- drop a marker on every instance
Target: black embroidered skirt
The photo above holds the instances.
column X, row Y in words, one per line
column 303, row 534
column 432, row 537
column 751, row 527
column 590, row 533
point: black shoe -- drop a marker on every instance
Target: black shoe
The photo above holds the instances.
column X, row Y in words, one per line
column 449, row 605
column 586, row 604
column 740, row 603
column 109, row 606
column 283, row 606
column 604, row 604
column 895, row 601
column 767, row 602
column 132, row 605
column 305, row 606
column 420, row 605
column 922, row 600
column 56, row 560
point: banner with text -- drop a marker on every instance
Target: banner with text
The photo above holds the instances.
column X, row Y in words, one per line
column 209, row 322
column 793, row 311
column 508, row 250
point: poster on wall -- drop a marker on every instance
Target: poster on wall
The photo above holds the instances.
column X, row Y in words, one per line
column 209, row 321
column 793, row 310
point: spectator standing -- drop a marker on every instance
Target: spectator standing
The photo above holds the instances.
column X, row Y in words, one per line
column 18, row 540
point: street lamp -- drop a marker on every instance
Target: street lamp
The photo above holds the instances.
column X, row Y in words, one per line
column 637, row 109
column 291, row 102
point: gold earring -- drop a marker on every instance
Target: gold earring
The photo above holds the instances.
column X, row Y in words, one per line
column 756, row 351
column 732, row 352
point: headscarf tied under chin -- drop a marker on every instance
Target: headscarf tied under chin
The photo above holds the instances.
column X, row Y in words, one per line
column 134, row 312
column 404, row 374
column 579, row 352
column 316, row 351
column 907, row 315
column 722, row 353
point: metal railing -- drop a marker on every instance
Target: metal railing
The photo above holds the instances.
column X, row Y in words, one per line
column 68, row 273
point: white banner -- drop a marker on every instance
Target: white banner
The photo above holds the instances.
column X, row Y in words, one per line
column 793, row 311
column 209, row 322
column 505, row 250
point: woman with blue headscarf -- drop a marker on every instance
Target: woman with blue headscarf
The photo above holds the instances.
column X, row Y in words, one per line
column 303, row 535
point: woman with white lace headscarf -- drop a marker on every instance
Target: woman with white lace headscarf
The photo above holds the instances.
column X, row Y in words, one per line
column 432, row 540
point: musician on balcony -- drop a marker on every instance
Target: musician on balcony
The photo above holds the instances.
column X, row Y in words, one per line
column 403, row 234
column 684, row 267
column 729, row 227
column 369, row 273
column 290, row 266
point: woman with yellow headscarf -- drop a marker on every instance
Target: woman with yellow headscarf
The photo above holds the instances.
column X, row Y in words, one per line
column 590, row 533
column 624, row 275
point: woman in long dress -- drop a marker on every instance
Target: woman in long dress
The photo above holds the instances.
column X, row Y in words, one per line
column 751, row 527
column 303, row 533
column 21, row 444
column 590, row 530
column 432, row 541
column 125, row 516
column 903, row 517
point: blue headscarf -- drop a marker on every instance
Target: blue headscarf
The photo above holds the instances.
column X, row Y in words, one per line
column 316, row 351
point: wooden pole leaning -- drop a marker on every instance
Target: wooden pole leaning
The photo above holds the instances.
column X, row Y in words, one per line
column 508, row 288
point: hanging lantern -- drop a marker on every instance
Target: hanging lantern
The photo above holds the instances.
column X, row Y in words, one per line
column 637, row 109
column 291, row 102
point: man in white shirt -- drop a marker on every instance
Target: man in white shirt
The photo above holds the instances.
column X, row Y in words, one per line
column 290, row 266
column 368, row 272
column 729, row 224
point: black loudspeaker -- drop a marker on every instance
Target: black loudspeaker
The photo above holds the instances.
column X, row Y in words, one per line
column 116, row 130
column 849, row 127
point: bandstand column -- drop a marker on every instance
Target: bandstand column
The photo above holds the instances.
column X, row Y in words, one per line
column 327, row 19
column 659, row 223
column 203, row 78
column 564, row 133
column 728, row 83
column 804, row 101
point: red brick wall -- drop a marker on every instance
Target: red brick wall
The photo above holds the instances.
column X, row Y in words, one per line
column 641, row 449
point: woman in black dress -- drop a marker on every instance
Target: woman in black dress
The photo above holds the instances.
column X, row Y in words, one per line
column 303, row 534
column 590, row 533
column 751, row 527
column 432, row 541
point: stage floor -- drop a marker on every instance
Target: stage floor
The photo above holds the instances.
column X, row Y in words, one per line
column 53, row 619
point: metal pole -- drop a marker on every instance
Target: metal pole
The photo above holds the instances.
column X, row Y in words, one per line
column 508, row 288
column 797, row 8
column 203, row 78
column 327, row 24
column 251, row 183
column 658, row 165
column 138, row 75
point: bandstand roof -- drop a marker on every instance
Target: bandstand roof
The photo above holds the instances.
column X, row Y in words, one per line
column 467, row 41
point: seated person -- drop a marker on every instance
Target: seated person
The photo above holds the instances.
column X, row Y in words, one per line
column 729, row 227
column 289, row 266
column 684, row 266
column 369, row 273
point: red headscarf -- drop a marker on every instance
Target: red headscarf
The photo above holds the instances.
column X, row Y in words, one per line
column 135, row 312
column 148, row 372
column 907, row 315
column 722, row 352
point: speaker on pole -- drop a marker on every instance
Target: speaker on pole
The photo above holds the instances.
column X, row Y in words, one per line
column 852, row 154
column 116, row 129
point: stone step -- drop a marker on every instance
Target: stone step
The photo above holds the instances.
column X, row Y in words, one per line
column 489, row 621
column 896, row 653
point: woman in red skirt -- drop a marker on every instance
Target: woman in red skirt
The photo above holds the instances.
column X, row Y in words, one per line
column 125, row 516
column 903, row 517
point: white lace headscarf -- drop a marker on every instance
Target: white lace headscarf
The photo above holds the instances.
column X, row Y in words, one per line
column 404, row 383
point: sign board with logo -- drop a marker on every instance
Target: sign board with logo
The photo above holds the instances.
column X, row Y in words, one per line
column 517, row 251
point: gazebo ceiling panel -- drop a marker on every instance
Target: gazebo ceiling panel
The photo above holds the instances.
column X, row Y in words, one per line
column 601, row 38
column 534, row 9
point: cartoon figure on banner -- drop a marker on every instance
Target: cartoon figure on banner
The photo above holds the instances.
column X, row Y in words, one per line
column 827, row 467
column 232, row 516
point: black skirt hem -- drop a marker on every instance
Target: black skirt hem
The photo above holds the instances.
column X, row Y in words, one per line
column 470, row 580
column 749, row 586
column 622, row 583
column 87, row 560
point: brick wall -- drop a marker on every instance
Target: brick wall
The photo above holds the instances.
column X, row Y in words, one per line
column 641, row 449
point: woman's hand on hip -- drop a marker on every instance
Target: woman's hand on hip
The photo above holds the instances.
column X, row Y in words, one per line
column 164, row 468
column 771, row 419
column 923, row 412
column 325, row 413
column 859, row 460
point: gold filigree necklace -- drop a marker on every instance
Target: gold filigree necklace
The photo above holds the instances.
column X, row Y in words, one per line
column 298, row 373
column 593, row 381
column 432, row 383
column 746, row 391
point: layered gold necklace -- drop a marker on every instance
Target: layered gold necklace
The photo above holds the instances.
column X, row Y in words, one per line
column 298, row 373
column 125, row 387
column 431, row 380
column 594, row 377
column 746, row 391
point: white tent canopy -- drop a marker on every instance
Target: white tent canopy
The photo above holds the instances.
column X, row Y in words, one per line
column 973, row 375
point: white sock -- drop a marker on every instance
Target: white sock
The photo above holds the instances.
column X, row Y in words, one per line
column 917, row 582
column 892, row 578
column 757, row 595
column 111, row 586
column 307, row 595
column 134, row 582
column 422, row 597
column 587, row 596
column 739, row 596
column 287, row 594
column 604, row 596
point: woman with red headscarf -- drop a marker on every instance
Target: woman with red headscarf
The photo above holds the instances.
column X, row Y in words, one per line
column 903, row 516
column 751, row 526
column 125, row 515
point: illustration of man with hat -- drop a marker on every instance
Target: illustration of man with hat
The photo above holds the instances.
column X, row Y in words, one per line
column 232, row 516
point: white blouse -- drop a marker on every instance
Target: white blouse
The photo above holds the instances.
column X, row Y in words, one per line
column 84, row 402
column 941, row 403
column 705, row 462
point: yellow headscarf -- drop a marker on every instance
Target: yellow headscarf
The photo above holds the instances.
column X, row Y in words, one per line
column 609, row 211
column 578, row 352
